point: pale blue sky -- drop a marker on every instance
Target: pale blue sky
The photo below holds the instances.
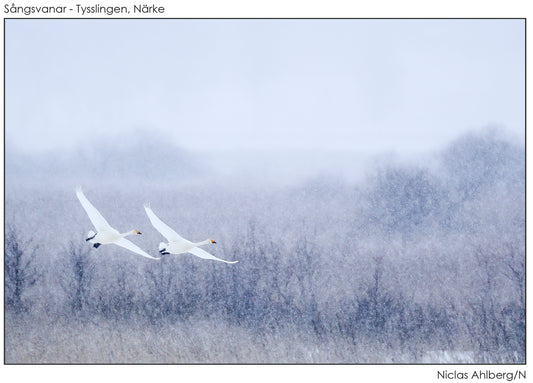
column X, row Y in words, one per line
column 363, row 85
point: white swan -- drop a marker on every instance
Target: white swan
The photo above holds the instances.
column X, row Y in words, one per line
column 176, row 243
column 105, row 234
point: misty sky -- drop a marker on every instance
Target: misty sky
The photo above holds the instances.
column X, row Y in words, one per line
column 362, row 85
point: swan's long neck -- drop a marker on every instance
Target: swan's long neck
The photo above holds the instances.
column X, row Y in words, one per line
column 206, row 242
column 131, row 232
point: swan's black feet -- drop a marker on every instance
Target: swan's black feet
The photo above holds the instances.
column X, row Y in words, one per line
column 96, row 245
column 163, row 252
column 88, row 239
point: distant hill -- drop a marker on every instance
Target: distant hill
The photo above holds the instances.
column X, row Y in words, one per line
column 147, row 159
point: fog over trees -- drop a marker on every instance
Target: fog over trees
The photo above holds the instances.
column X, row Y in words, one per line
column 419, row 261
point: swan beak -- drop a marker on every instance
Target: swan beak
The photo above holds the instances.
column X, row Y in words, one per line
column 213, row 241
column 138, row 232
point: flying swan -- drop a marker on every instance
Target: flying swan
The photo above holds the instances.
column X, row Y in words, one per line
column 105, row 234
column 177, row 244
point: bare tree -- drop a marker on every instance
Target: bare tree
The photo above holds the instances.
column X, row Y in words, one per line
column 165, row 298
column 77, row 275
column 515, row 269
column 20, row 272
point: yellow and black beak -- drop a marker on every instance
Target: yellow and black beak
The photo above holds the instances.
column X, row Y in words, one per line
column 138, row 232
column 213, row 241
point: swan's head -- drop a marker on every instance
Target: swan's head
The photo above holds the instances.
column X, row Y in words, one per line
column 212, row 241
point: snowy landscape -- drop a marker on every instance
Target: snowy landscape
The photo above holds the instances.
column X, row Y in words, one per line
column 367, row 175
column 412, row 264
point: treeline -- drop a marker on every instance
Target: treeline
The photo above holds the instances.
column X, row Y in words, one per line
column 415, row 259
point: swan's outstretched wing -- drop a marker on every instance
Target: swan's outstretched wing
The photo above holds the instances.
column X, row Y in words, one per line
column 96, row 218
column 162, row 227
column 205, row 255
column 132, row 247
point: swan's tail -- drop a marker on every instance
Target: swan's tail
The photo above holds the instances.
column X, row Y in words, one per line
column 162, row 246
